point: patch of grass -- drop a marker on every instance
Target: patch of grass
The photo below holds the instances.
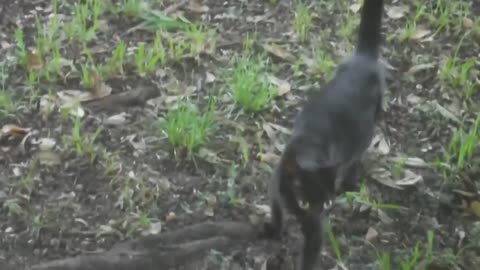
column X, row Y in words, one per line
column 47, row 35
column 384, row 261
column 398, row 168
column 463, row 145
column 88, row 76
column 86, row 23
column 362, row 197
column 147, row 59
column 445, row 15
column 14, row 208
column 156, row 20
column 21, row 47
column 114, row 65
column 232, row 194
column 349, row 23
column 303, row 21
column 131, row 8
column 411, row 25
column 324, row 63
column 249, row 43
column 335, row 243
column 197, row 38
column 7, row 103
column 84, row 145
column 140, row 222
column 188, row 128
column 459, row 75
column 177, row 48
column 249, row 85
column 411, row 261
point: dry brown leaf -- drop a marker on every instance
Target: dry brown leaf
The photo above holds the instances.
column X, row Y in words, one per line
column 196, row 7
column 416, row 68
column 396, row 12
column 384, row 217
column 116, row 120
column 13, row 130
column 415, row 162
column 371, row 234
column 98, row 88
column 384, row 177
column 379, row 145
column 414, row 99
column 421, row 32
column 475, row 207
column 262, row 209
column 279, row 52
column 155, row 228
column 355, row 7
column 34, row 61
column 45, row 144
column 467, row 23
column 5, row 45
column 269, row 158
column 101, row 90
column 464, row 193
column 209, row 78
column 282, row 129
column 48, row 158
column 410, row 179
column 283, row 86
column 72, row 96
column 269, row 130
column 171, row 216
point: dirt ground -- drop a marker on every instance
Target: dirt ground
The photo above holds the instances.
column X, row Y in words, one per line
column 129, row 181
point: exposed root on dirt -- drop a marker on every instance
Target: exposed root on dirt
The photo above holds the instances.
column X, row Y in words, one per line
column 137, row 97
column 171, row 249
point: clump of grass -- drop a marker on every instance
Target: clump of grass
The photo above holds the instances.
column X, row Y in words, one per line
column 21, row 47
column 411, row 261
column 463, row 145
column 187, row 128
column 362, row 197
column 84, row 145
column 349, row 23
column 86, row 21
column 156, row 20
column 411, row 26
column 88, row 77
column 446, row 15
column 115, row 63
column 7, row 105
column 459, row 75
column 324, row 63
column 147, row 59
column 249, row 85
column 177, row 49
column 131, row 8
column 334, row 242
column 303, row 21
column 197, row 38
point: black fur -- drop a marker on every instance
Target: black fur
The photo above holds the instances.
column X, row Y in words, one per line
column 330, row 135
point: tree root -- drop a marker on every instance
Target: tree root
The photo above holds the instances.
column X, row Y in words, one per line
column 168, row 250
